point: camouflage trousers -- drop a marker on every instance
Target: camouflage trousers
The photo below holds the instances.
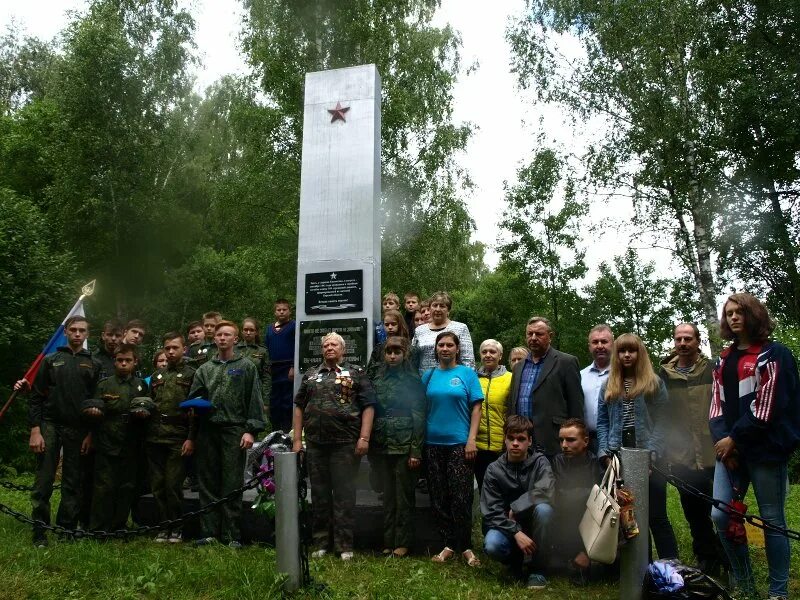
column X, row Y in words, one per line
column 399, row 500
column 57, row 437
column 167, row 470
column 332, row 469
column 113, row 492
column 220, row 470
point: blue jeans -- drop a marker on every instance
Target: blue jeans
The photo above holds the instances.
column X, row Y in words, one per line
column 502, row 548
column 770, row 485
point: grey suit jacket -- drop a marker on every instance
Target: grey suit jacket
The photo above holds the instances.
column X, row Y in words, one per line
column 557, row 396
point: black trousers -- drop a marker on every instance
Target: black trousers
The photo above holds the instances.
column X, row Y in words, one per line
column 705, row 543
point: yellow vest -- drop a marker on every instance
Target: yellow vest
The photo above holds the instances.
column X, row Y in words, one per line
column 493, row 411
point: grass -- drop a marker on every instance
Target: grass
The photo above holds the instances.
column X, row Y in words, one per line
column 142, row 569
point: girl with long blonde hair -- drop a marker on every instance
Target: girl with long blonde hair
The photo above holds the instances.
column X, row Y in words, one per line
column 631, row 409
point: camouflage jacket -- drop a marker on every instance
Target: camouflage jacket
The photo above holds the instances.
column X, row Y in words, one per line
column 332, row 401
column 200, row 352
column 259, row 356
column 104, row 360
column 168, row 388
column 63, row 382
column 400, row 414
column 234, row 390
column 114, row 435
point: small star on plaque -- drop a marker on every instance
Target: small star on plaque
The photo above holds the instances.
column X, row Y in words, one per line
column 337, row 114
column 333, row 275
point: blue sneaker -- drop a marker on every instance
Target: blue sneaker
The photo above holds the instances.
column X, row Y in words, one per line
column 536, row 582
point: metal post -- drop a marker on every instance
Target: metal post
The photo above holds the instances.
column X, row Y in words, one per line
column 634, row 556
column 287, row 519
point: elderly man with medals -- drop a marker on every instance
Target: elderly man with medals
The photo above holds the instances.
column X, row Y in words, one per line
column 335, row 407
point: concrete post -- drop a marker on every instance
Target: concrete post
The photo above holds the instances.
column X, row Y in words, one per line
column 634, row 556
column 287, row 519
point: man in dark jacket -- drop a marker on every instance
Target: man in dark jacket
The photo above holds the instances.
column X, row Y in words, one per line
column 576, row 471
column 546, row 387
column 66, row 378
column 516, row 502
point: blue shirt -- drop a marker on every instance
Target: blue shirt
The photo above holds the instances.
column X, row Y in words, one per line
column 591, row 380
column 451, row 394
column 530, row 373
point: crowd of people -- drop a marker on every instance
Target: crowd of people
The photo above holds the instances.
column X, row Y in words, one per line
column 532, row 437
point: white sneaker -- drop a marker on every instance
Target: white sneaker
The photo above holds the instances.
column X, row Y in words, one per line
column 175, row 537
column 162, row 537
column 346, row 556
column 318, row 553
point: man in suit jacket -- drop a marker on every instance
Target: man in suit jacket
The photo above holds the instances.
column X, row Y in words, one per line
column 546, row 386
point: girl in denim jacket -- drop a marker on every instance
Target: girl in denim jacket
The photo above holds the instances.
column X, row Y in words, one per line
column 630, row 413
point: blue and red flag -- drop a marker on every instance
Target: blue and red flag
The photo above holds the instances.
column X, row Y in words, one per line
column 59, row 338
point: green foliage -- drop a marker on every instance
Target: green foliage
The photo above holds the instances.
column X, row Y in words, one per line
column 543, row 219
column 636, row 69
column 423, row 211
column 632, row 299
column 39, row 287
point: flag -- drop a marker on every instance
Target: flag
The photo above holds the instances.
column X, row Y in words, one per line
column 59, row 337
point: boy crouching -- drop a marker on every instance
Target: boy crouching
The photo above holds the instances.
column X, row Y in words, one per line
column 516, row 504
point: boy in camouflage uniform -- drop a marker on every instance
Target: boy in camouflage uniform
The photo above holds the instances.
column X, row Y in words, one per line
column 231, row 383
column 251, row 348
column 204, row 349
column 170, row 436
column 115, row 442
column 65, row 379
column 104, row 353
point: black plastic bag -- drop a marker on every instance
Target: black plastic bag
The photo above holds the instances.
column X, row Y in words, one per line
column 696, row 584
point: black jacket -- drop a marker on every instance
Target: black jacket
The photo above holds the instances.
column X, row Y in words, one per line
column 63, row 382
column 557, row 396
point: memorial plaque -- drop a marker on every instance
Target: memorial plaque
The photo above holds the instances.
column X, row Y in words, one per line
column 334, row 292
column 354, row 332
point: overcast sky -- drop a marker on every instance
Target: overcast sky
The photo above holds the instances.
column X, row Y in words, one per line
column 507, row 122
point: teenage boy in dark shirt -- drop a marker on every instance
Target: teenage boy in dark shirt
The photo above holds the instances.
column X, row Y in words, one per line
column 516, row 503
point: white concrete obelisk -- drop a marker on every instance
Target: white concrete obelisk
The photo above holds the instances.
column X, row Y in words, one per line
column 339, row 248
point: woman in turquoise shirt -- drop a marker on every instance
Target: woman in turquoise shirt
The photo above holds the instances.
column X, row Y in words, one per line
column 454, row 398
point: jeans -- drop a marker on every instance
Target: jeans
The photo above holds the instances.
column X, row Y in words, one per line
column 501, row 547
column 770, row 485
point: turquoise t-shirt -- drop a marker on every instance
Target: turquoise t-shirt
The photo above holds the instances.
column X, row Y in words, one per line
column 451, row 393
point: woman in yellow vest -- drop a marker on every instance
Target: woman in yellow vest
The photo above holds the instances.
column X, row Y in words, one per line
column 496, row 384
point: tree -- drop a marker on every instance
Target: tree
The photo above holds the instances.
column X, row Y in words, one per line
column 39, row 285
column 752, row 65
column 632, row 299
column 418, row 63
column 638, row 69
column 112, row 154
column 544, row 241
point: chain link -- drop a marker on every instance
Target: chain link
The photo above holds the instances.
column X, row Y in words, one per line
column 123, row 534
column 22, row 488
column 754, row 520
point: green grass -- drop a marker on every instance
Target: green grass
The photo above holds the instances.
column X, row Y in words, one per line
column 142, row 569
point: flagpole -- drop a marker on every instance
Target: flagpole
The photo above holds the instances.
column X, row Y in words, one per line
column 86, row 290
column 11, row 399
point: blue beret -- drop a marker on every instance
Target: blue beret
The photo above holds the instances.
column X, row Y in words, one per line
column 200, row 405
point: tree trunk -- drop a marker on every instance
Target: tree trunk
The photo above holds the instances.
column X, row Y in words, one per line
column 705, row 279
column 790, row 297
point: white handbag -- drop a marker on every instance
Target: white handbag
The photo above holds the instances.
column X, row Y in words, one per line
column 599, row 526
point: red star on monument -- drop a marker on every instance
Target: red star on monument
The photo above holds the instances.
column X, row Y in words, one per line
column 338, row 112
